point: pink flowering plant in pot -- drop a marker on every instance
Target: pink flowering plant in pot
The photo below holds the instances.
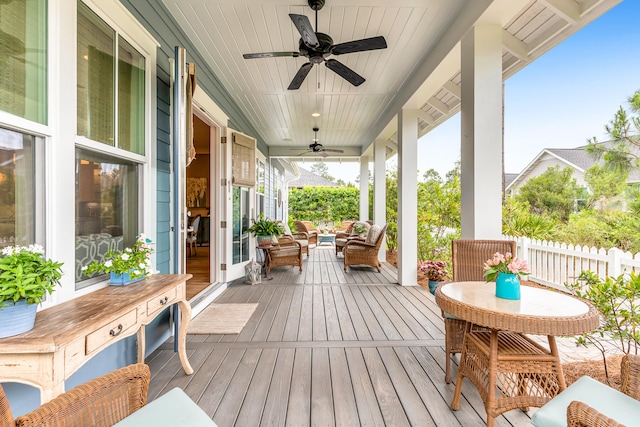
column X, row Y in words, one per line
column 505, row 263
column 436, row 271
column 134, row 261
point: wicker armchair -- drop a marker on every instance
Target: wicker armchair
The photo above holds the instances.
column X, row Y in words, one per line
column 100, row 402
column 468, row 257
column 358, row 252
column 288, row 251
column 312, row 233
column 590, row 403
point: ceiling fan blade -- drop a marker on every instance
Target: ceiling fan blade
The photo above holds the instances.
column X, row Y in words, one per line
column 269, row 55
column 345, row 72
column 300, row 76
column 332, row 150
column 305, row 29
column 372, row 43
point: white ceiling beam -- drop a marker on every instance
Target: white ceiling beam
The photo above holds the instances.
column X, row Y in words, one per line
column 569, row 10
column 426, row 117
column 515, row 46
column 438, row 105
column 453, row 88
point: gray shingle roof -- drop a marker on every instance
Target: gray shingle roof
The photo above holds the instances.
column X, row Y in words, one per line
column 308, row 178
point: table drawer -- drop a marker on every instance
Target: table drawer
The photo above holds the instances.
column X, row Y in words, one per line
column 161, row 301
column 111, row 331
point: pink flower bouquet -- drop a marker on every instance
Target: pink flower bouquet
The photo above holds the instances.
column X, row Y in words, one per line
column 506, row 263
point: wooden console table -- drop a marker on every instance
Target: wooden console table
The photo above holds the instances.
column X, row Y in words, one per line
column 67, row 335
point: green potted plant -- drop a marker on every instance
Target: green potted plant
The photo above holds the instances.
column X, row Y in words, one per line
column 266, row 230
column 26, row 276
column 131, row 265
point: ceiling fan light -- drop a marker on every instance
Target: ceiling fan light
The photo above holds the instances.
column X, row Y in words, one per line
column 315, row 114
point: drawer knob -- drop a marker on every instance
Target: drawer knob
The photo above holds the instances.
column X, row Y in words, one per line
column 164, row 300
column 115, row 332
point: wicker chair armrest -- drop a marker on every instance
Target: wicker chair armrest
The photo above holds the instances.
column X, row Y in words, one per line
column 102, row 401
column 342, row 235
column 285, row 241
column 580, row 414
column 630, row 375
column 357, row 242
column 301, row 235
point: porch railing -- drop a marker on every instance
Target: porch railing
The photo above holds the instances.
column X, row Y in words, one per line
column 555, row 264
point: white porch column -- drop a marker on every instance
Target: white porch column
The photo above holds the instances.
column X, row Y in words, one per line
column 364, row 188
column 481, row 145
column 408, row 197
column 380, row 192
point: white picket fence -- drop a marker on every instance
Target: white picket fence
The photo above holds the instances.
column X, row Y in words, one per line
column 555, row 264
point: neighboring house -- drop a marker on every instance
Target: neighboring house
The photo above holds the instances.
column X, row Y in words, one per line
column 308, row 178
column 576, row 158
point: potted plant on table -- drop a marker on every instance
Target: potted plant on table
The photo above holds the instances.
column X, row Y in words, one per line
column 266, row 230
column 131, row 265
column 436, row 272
column 26, row 276
column 506, row 269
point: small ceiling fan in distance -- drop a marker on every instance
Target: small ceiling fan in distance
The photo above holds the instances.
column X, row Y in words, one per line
column 319, row 46
column 318, row 148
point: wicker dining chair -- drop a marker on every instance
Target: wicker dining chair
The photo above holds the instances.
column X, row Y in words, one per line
column 364, row 252
column 468, row 258
column 101, row 402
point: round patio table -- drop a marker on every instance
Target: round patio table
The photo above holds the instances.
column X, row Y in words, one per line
column 327, row 238
column 509, row 369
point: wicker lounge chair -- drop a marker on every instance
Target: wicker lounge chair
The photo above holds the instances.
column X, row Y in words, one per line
column 364, row 253
column 100, row 402
column 585, row 402
column 288, row 251
column 312, row 233
column 468, row 258
column 300, row 237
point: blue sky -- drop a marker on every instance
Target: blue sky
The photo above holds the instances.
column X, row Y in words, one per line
column 558, row 101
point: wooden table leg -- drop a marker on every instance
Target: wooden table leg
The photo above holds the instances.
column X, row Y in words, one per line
column 455, row 403
column 493, row 372
column 553, row 348
column 185, row 318
column 141, row 343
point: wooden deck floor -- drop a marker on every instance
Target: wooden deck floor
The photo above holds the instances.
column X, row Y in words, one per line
column 325, row 348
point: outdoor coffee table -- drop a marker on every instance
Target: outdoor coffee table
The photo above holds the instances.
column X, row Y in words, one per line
column 509, row 369
column 327, row 238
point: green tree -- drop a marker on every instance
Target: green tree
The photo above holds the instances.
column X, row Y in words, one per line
column 519, row 221
column 322, row 170
column 324, row 203
column 621, row 153
column 604, row 184
column 553, row 193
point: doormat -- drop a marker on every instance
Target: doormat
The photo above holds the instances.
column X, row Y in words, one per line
column 221, row 319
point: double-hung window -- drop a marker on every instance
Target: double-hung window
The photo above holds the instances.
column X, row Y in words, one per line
column 110, row 148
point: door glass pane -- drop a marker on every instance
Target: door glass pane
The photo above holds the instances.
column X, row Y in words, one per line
column 18, row 208
column 106, row 207
column 96, row 77
column 23, row 59
column 240, row 224
column 131, row 69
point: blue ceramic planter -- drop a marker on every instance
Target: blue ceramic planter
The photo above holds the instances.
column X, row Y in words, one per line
column 432, row 286
column 122, row 279
column 17, row 318
column 508, row 286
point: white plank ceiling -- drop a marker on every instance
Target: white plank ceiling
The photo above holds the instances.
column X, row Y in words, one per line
column 351, row 118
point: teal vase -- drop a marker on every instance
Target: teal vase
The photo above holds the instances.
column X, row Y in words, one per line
column 508, row 286
column 122, row 279
column 432, row 286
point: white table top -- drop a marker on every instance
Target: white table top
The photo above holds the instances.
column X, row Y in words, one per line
column 538, row 311
column 532, row 302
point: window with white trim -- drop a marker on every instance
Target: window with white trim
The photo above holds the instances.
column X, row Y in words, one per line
column 112, row 119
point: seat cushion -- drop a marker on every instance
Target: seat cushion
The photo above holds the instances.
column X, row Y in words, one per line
column 341, row 241
column 604, row 399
